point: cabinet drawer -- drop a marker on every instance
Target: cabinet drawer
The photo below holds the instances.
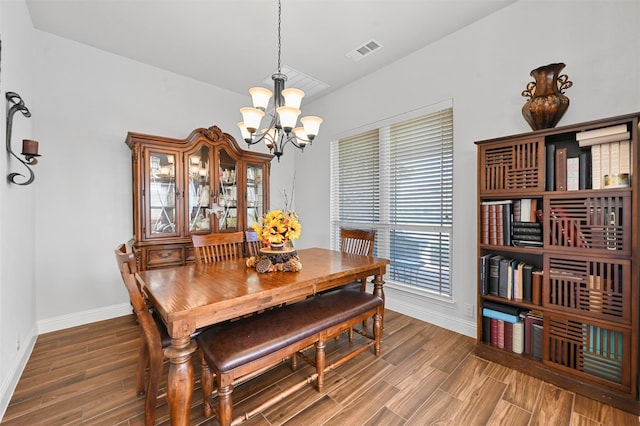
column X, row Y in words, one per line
column 590, row 350
column 512, row 165
column 596, row 222
column 599, row 288
column 164, row 256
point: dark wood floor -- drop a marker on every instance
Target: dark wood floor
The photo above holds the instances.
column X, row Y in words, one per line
column 426, row 375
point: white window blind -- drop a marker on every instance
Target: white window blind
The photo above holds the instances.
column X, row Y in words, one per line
column 398, row 180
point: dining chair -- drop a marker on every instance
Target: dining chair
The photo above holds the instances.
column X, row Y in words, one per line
column 358, row 241
column 215, row 247
column 253, row 243
column 154, row 336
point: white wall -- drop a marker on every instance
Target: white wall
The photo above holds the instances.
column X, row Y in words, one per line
column 91, row 99
column 17, row 226
column 483, row 68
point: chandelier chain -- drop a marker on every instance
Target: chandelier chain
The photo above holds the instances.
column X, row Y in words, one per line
column 279, row 36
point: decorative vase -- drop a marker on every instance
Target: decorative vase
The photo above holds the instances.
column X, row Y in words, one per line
column 277, row 246
column 547, row 103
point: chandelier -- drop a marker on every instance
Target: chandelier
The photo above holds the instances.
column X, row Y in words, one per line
column 283, row 113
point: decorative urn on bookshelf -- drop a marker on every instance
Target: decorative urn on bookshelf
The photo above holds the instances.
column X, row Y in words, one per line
column 546, row 102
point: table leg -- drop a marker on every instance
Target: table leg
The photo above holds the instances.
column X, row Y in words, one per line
column 378, row 290
column 180, row 384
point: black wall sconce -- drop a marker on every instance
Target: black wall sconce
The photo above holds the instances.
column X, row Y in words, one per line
column 29, row 147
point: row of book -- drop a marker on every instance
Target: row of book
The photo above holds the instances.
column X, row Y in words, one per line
column 602, row 160
column 511, row 222
column 511, row 279
column 610, row 155
column 512, row 329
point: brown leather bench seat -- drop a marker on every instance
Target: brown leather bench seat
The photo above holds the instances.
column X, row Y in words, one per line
column 238, row 348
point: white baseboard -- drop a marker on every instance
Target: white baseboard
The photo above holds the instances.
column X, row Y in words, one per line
column 85, row 317
column 13, row 376
column 419, row 308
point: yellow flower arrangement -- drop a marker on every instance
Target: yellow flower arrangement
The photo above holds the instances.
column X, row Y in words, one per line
column 278, row 227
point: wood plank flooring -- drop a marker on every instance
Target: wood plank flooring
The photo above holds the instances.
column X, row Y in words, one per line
column 426, row 375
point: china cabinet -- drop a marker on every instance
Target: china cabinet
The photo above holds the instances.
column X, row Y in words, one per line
column 558, row 256
column 198, row 185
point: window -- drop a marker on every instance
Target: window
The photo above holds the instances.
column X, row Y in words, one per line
column 398, row 180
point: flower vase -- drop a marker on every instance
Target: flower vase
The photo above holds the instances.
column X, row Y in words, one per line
column 277, row 246
column 547, row 103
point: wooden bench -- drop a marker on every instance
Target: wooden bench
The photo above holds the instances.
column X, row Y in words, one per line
column 236, row 349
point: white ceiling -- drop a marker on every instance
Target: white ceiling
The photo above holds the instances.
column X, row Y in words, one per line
column 233, row 43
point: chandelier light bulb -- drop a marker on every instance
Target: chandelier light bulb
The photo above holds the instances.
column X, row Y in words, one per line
column 300, row 136
column 292, row 97
column 252, row 118
column 288, row 117
column 244, row 132
column 260, row 97
column 311, row 125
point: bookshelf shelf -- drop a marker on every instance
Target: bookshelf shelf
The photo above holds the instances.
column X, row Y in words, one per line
column 558, row 256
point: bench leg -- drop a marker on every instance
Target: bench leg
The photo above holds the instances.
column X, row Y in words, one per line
column 225, row 405
column 207, row 387
column 320, row 361
column 377, row 332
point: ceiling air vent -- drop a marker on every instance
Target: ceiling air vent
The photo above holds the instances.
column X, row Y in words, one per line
column 366, row 49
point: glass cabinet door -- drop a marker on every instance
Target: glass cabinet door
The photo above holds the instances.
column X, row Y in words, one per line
column 227, row 192
column 255, row 194
column 199, row 191
column 161, row 203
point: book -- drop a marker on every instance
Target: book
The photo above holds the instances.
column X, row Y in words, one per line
column 486, row 330
column 584, row 174
column 561, row 169
column 506, row 220
column 499, row 315
column 517, row 236
column 508, row 336
column 500, row 224
column 604, row 163
column 494, row 331
column 550, row 170
column 484, row 273
column 616, row 137
column 493, row 225
column 530, row 318
column 500, row 334
column 484, row 215
column 525, row 210
column 602, row 131
column 520, row 224
column 527, row 230
column 518, row 337
column 503, row 277
column 494, row 274
column 573, row 173
column 625, row 156
column 595, row 167
column 500, row 307
column 536, row 341
column 536, row 287
column 527, row 271
column 518, row 282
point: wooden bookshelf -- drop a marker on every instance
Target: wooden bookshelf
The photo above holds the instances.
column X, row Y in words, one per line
column 584, row 247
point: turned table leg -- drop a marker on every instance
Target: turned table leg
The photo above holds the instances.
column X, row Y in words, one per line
column 180, row 384
column 378, row 290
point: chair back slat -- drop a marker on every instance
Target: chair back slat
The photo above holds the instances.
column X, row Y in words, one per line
column 253, row 244
column 220, row 246
column 357, row 241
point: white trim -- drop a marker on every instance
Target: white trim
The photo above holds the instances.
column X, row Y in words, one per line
column 85, row 317
column 418, row 307
column 13, row 376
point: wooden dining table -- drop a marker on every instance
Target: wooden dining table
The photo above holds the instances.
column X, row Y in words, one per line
column 194, row 296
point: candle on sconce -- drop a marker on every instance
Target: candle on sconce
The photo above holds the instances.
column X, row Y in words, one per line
column 29, row 147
